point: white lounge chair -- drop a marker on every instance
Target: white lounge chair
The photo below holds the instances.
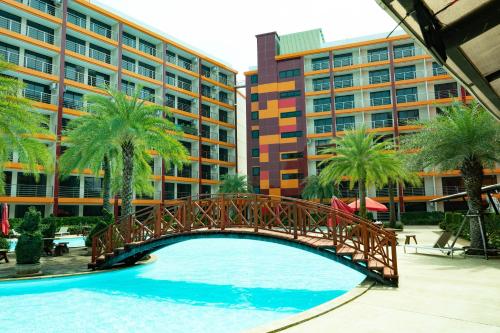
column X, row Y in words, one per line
column 62, row 231
column 442, row 245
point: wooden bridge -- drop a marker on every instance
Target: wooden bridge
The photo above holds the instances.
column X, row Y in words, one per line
column 337, row 235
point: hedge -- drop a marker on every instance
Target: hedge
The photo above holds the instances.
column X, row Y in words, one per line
column 74, row 222
column 422, row 218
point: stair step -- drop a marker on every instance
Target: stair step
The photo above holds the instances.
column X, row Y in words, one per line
column 119, row 250
column 359, row 256
column 100, row 260
column 343, row 250
column 109, row 255
column 373, row 264
column 389, row 273
column 131, row 245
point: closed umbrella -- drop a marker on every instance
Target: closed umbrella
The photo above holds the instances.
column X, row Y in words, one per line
column 339, row 205
column 5, row 219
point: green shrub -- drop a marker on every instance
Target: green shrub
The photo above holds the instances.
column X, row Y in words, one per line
column 29, row 244
column 399, row 225
column 422, row 218
column 4, row 243
column 48, row 231
column 102, row 224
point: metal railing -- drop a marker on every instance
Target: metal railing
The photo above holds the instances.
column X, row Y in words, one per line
column 99, row 29
column 343, row 62
column 11, row 57
column 450, row 93
column 184, row 106
column 74, row 104
column 146, row 72
column 93, row 192
column 344, row 105
column 69, row 192
column 37, row 65
column 10, row 24
column 209, row 154
column 209, row 175
column 408, row 98
column 187, row 173
column 129, row 41
column 322, row 107
column 407, row 52
column 379, row 79
column 377, row 57
column 75, row 47
column 25, row 190
column 100, row 56
column 73, row 75
column 318, row 129
column 414, row 191
column 345, row 127
column 452, row 189
column 380, row 101
column 179, row 62
column 408, row 75
column 407, row 121
column 317, row 66
column 147, row 96
column 129, row 66
column 147, row 49
column 37, row 96
column 321, row 86
column 188, row 129
column 77, row 20
column 438, row 71
column 42, row 6
column 348, row 193
column 39, row 35
column 382, row 123
column 344, row 83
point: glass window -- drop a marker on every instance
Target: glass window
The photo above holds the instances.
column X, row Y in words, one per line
column 255, row 115
column 129, row 39
column 446, row 90
column 291, row 156
column 344, row 123
column 256, row 171
column 290, row 176
column 341, row 60
column 254, row 97
column 320, row 63
column 437, row 69
column 322, row 125
column 405, row 50
column 343, row 81
column 321, row 84
column 291, row 114
column 378, row 76
column 255, row 152
column 9, row 53
column 379, row 54
column 380, row 98
column 288, row 94
column 322, row 104
column 406, row 95
column 406, row 116
column 405, row 73
column 344, row 102
column 289, row 73
column 255, row 134
column 254, row 79
column 296, row 134
column 38, row 62
column 383, row 119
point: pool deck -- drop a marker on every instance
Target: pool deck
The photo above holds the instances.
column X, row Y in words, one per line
column 435, row 294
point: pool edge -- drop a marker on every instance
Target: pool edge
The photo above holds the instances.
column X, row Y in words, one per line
column 317, row 311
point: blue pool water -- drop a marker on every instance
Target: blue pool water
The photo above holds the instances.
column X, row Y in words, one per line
column 72, row 242
column 203, row 285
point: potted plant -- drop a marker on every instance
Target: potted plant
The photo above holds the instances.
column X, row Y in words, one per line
column 29, row 244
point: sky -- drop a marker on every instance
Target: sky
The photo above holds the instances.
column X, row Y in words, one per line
column 226, row 29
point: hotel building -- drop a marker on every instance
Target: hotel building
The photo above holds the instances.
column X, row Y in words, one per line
column 304, row 92
column 64, row 49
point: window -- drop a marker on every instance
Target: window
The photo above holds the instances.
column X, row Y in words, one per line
column 99, row 53
column 291, row 114
column 343, row 81
column 320, row 63
column 380, row 120
column 185, row 62
column 344, row 123
column 128, row 63
column 38, row 62
column 40, row 32
column 402, row 51
column 255, row 171
column 321, row 84
column 37, row 92
column 255, row 115
column 292, row 93
column 254, row 79
column 223, row 154
column 147, row 47
column 437, row 69
column 292, row 156
column 13, row 22
column 255, row 134
column 378, row 76
column 74, row 44
column 254, row 97
column 406, row 95
column 97, row 79
column 101, row 28
column 320, row 145
column 223, row 116
column 290, row 176
column 129, row 39
column 128, row 87
column 341, row 60
column 378, row 54
column 73, row 100
column 380, row 98
column 289, row 73
column 322, row 125
column 222, row 135
column 184, row 83
column 344, row 102
column 255, row 152
column 9, row 53
column 296, row 134
column 405, row 73
column 406, row 116
column 446, row 90
column 322, row 104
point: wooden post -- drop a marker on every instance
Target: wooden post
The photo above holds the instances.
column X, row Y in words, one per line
column 366, row 245
column 94, row 248
column 295, row 217
column 129, row 229
column 109, row 240
column 188, row 214
column 157, row 232
column 334, row 228
column 256, row 214
column 223, row 213
column 394, row 259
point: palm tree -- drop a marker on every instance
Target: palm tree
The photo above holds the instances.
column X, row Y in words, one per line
column 315, row 189
column 363, row 159
column 18, row 125
column 234, row 184
column 464, row 137
column 133, row 127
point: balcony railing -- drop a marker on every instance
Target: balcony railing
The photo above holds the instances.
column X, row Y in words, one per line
column 147, row 49
column 439, row 71
column 179, row 62
column 187, row 173
column 97, row 81
column 24, row 190
column 188, row 129
column 413, row 191
column 147, row 96
column 408, row 75
column 344, row 105
column 317, row 66
column 9, row 24
column 99, row 29
column 321, row 86
column 407, row 52
column 12, row 57
column 184, row 106
column 377, row 57
column 379, row 79
column 408, row 98
column 42, row 6
column 406, row 121
column 343, row 62
column 73, row 75
column 100, row 56
column 322, row 107
column 37, row 65
column 452, row 189
column 318, row 129
column 343, row 83
column 38, row 96
column 345, row 127
column 348, row 193
column 75, row 47
column 208, row 154
column 74, row 104
column 92, row 192
column 450, row 93
column 380, row 101
column 39, row 35
column 209, row 175
column 382, row 123
column 69, row 192
column 77, row 20
column 146, row 72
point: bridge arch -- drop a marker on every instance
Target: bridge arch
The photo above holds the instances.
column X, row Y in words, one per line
column 313, row 227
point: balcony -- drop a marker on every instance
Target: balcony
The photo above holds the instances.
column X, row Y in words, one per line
column 69, row 192
column 146, row 72
column 100, row 30
column 322, row 107
column 319, row 129
column 380, row 101
column 345, row 192
column 413, row 191
column 40, row 35
column 75, row 47
column 25, row 190
column 99, row 56
column 452, row 189
column 188, row 129
column 38, row 96
column 321, row 86
column 345, row 126
column 438, row 71
column 209, row 175
column 178, row 83
column 208, row 154
column 381, row 56
column 187, row 173
column 450, row 93
column 147, row 96
column 343, row 62
column 379, row 79
column 344, row 83
column 407, row 52
column 41, row 6
column 408, row 75
column 179, row 62
column 9, row 24
column 344, row 105
column 317, row 66
column 11, row 57
column 148, row 49
column 382, row 123
column 77, row 20
column 407, row 121
column 75, row 104
column 408, row 98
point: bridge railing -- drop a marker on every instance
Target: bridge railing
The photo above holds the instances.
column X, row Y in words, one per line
column 289, row 216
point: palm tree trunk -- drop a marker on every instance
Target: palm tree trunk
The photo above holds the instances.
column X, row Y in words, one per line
column 362, row 198
column 392, row 206
column 106, row 185
column 128, row 172
column 472, row 173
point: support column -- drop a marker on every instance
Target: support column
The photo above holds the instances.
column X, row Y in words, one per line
column 199, row 125
column 332, row 96
column 60, row 101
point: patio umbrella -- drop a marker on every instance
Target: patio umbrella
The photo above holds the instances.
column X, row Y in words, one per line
column 5, row 220
column 371, row 205
column 339, row 205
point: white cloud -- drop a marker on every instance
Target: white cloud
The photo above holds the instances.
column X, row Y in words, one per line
column 226, row 29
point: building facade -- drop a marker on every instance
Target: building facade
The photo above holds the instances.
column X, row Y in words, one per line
column 65, row 49
column 304, row 92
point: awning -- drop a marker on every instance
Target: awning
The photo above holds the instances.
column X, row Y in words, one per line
column 464, row 36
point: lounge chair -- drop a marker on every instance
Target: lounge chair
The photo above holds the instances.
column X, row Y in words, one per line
column 442, row 244
column 62, row 231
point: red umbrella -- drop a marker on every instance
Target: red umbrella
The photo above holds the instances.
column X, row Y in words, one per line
column 339, row 205
column 5, row 219
column 371, row 205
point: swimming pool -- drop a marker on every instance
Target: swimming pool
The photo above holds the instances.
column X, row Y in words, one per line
column 202, row 285
column 72, row 242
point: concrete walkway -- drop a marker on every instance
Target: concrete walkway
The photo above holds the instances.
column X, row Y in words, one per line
column 435, row 294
